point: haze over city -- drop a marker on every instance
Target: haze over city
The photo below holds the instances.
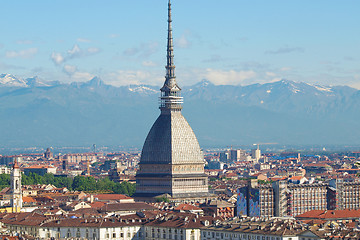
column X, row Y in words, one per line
column 232, row 42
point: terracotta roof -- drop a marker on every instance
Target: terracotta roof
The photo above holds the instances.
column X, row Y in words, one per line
column 137, row 206
column 97, row 204
column 29, row 219
column 111, row 197
column 330, row 214
column 39, row 166
column 257, row 226
column 28, row 200
column 8, row 237
column 186, row 207
column 128, row 220
column 297, row 178
column 181, row 220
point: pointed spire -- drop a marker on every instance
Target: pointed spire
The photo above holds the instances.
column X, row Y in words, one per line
column 170, row 79
column 170, row 93
column 15, row 164
column 170, row 68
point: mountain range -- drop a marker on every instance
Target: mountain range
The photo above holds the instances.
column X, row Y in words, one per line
column 42, row 113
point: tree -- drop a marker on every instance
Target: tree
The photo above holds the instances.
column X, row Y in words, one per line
column 4, row 180
column 79, row 183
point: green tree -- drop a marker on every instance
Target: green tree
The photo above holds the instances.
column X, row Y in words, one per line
column 4, row 180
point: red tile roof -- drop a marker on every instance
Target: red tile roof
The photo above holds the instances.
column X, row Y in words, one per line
column 97, row 204
column 186, row 207
column 28, row 200
column 105, row 197
column 296, row 178
column 330, row 214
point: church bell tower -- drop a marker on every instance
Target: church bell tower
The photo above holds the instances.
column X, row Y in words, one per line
column 16, row 192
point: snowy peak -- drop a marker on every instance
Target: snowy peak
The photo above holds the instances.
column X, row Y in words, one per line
column 143, row 89
column 301, row 87
column 8, row 80
column 204, row 83
column 36, row 82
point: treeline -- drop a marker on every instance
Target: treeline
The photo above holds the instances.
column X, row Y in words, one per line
column 78, row 183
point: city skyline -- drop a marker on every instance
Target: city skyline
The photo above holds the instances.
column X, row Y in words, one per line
column 236, row 43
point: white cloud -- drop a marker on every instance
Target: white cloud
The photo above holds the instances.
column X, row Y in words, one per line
column 231, row 77
column 114, row 35
column 69, row 69
column 283, row 69
column 148, row 64
column 75, row 75
column 276, row 79
column 57, row 58
column 24, row 42
column 5, row 66
column 270, row 74
column 183, row 42
column 122, row 77
column 93, row 50
column 82, row 76
column 143, row 51
column 27, row 53
column 284, row 50
column 75, row 52
column 84, row 40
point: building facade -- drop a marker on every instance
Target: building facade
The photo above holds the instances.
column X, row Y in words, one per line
column 344, row 194
column 255, row 200
column 281, row 199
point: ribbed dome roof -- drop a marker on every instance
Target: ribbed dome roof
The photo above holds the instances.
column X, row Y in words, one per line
column 171, row 140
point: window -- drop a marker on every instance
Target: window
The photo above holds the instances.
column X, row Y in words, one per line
column 114, row 235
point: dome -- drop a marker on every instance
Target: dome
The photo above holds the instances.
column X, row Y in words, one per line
column 171, row 141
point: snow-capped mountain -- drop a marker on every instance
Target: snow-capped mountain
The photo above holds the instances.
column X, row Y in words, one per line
column 9, row 80
column 37, row 112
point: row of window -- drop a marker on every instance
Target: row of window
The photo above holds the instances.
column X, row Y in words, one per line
column 234, row 236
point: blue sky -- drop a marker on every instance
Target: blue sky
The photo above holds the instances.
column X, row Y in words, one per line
column 236, row 42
